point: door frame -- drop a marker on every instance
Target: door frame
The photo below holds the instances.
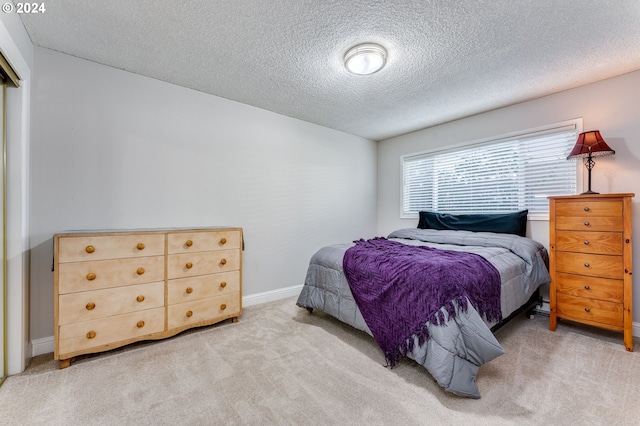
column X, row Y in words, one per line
column 17, row 49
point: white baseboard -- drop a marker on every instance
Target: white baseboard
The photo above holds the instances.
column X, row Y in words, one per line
column 270, row 296
column 45, row 345
column 42, row 346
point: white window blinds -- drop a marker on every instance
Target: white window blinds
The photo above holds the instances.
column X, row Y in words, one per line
column 507, row 174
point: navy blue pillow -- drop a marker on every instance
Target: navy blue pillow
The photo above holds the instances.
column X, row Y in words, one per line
column 503, row 223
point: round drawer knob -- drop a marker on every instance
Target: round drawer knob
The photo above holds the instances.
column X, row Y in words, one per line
column 189, row 290
column 587, row 310
column 586, row 223
column 586, row 287
column 586, row 243
column 586, row 265
column 91, row 334
column 586, row 209
column 140, row 271
column 189, row 265
column 140, row 298
column 223, row 241
column 189, row 243
column 223, row 284
column 140, row 324
column 223, row 307
column 189, row 313
column 90, row 306
column 90, row 249
column 140, row 246
column 91, row 276
column 223, row 262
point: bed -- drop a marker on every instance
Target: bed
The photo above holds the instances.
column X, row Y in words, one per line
column 453, row 342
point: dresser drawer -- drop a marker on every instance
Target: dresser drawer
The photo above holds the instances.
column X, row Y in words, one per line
column 595, row 265
column 83, row 335
column 589, row 242
column 76, row 249
column 202, row 263
column 607, row 313
column 590, row 287
column 596, row 223
column 82, row 276
column 589, row 208
column 89, row 305
column 203, row 310
column 187, row 242
column 204, row 286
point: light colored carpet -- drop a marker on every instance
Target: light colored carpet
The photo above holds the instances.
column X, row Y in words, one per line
column 280, row 365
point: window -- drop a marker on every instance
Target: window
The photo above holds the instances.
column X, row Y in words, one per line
column 506, row 174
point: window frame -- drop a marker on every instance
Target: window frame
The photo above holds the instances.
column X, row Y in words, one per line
column 577, row 123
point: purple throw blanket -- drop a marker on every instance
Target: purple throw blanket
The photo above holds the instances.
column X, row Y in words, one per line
column 399, row 288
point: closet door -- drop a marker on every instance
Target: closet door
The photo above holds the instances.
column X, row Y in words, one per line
column 8, row 78
column 3, row 239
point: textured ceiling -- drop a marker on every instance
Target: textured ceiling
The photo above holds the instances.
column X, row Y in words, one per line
column 447, row 58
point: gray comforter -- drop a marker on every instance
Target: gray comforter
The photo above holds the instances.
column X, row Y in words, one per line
column 454, row 352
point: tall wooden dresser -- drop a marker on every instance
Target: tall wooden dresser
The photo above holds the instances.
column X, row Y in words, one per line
column 115, row 288
column 590, row 261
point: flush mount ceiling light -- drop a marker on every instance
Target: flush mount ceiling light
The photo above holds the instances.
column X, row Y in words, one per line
column 365, row 58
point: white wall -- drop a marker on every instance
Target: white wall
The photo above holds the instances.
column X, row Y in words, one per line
column 611, row 106
column 111, row 149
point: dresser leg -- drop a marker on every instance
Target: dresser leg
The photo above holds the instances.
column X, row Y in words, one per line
column 552, row 321
column 234, row 319
column 64, row 363
column 628, row 340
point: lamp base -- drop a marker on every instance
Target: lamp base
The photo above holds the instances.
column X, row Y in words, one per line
column 589, row 192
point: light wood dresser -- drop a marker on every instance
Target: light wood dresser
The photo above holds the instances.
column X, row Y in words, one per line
column 118, row 287
column 590, row 261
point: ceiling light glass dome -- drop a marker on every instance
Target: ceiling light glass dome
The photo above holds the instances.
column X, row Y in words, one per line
column 365, row 58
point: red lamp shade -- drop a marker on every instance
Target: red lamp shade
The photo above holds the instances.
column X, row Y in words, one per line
column 590, row 144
